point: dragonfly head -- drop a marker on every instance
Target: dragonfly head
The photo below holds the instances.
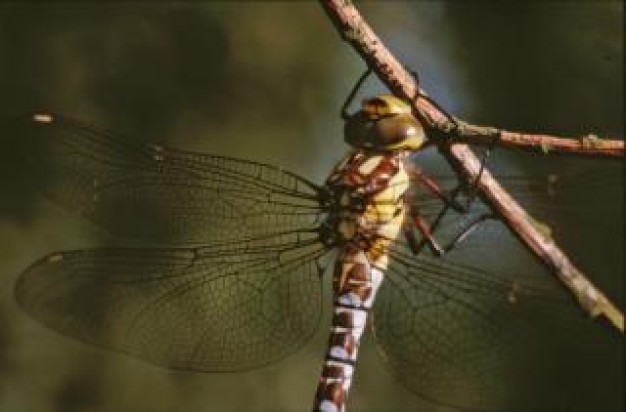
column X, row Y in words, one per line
column 384, row 123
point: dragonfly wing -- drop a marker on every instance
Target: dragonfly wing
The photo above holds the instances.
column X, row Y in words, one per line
column 233, row 306
column 554, row 199
column 468, row 338
column 160, row 194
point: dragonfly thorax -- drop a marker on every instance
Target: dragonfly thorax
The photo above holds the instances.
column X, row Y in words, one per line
column 365, row 200
column 344, row 205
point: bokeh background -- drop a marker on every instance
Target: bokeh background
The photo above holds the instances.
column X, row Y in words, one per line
column 265, row 80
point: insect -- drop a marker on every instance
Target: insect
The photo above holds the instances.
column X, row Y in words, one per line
column 231, row 278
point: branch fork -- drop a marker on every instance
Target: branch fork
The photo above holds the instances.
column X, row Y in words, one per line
column 353, row 28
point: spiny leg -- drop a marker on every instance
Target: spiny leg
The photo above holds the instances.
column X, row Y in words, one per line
column 418, row 222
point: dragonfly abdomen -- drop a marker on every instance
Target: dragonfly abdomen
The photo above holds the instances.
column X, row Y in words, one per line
column 355, row 282
column 367, row 217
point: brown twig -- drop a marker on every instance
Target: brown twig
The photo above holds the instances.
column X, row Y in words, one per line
column 589, row 145
column 354, row 29
column 358, row 33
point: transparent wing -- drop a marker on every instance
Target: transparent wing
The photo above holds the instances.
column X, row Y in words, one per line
column 487, row 341
column 231, row 306
column 159, row 194
column 483, row 329
column 554, row 199
column 241, row 291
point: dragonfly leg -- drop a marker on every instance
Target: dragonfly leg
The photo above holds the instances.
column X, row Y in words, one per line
column 467, row 230
column 449, row 200
column 417, row 221
column 344, row 108
column 473, row 190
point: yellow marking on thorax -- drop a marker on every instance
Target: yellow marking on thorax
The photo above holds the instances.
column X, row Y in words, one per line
column 387, row 210
column 384, row 205
column 384, row 212
column 370, row 164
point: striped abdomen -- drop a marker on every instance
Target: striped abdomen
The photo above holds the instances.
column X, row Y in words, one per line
column 355, row 282
column 365, row 234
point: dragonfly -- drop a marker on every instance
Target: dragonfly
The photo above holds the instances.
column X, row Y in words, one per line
column 230, row 274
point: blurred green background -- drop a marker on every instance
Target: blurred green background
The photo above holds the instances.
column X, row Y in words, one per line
column 265, row 80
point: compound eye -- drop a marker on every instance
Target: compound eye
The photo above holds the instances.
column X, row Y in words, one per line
column 375, row 108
